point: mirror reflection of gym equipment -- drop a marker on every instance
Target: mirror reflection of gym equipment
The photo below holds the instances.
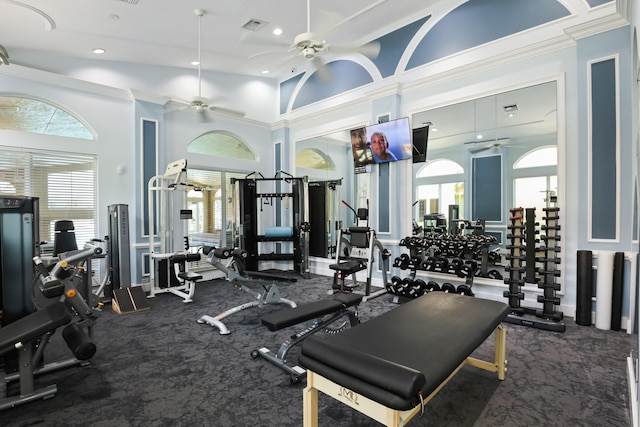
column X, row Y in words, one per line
column 355, row 253
column 168, row 270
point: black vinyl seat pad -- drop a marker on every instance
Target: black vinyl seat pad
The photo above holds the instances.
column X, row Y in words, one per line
column 33, row 326
column 293, row 316
column 405, row 352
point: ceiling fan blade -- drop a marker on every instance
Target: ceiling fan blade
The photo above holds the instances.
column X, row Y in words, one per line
column 321, row 69
column 227, row 110
column 263, row 53
column 370, row 50
column 480, row 149
column 175, row 105
column 204, row 116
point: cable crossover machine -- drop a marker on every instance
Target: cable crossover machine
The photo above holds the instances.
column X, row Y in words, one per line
column 274, row 221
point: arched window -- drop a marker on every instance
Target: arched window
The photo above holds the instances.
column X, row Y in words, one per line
column 439, row 167
column 439, row 183
column 221, row 144
column 312, row 158
column 35, row 116
column 543, row 156
column 535, row 178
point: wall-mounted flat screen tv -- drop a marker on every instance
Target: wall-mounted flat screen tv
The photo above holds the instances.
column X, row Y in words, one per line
column 420, row 142
column 380, row 143
column 390, row 141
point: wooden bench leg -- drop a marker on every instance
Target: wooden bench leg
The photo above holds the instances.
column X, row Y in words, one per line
column 310, row 402
column 501, row 351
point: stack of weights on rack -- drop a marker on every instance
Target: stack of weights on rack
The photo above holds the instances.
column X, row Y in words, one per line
column 442, row 253
column 550, row 261
column 522, row 263
column 516, row 258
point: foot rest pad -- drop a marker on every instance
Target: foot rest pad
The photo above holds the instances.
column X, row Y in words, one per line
column 292, row 316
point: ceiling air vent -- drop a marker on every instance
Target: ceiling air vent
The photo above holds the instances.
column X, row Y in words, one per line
column 129, row 1
column 254, row 24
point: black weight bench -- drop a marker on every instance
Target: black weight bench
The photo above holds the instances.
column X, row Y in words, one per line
column 325, row 312
column 390, row 367
column 20, row 335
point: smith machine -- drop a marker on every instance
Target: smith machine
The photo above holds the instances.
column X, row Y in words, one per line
column 283, row 201
column 168, row 270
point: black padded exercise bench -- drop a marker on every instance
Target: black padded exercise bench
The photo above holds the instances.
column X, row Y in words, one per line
column 390, row 367
column 326, row 312
column 20, row 335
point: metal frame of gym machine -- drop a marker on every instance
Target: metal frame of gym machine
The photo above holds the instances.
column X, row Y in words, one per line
column 352, row 258
column 165, row 186
column 252, row 232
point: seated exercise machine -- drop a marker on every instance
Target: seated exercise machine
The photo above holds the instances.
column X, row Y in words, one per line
column 355, row 252
column 59, row 303
column 324, row 314
column 169, row 272
column 230, row 262
column 390, row 373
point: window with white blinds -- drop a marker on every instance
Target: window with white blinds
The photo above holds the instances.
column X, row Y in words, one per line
column 64, row 183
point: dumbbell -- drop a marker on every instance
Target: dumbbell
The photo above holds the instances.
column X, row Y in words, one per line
column 448, row 288
column 405, row 285
column 415, row 290
column 420, row 287
column 393, row 285
column 404, row 261
column 428, row 263
column 464, row 290
column 432, row 286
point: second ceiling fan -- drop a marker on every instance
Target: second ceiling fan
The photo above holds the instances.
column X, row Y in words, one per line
column 312, row 46
column 198, row 103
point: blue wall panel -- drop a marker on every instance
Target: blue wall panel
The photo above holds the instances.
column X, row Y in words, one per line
column 393, row 45
column 346, row 75
column 149, row 153
column 603, row 150
column 477, row 22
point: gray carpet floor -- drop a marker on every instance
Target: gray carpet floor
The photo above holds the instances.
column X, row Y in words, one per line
column 161, row 368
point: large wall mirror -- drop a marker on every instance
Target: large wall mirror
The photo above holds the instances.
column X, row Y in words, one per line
column 327, row 161
column 485, row 156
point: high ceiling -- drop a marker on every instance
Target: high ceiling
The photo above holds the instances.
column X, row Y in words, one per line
column 40, row 33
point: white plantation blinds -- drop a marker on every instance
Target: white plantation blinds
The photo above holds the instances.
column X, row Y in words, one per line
column 65, row 184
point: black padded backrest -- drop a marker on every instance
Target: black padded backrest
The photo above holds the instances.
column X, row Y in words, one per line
column 359, row 237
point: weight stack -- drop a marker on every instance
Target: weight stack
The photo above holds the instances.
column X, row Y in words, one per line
column 584, row 292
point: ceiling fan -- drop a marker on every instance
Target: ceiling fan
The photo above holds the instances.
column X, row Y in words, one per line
column 487, row 145
column 311, row 46
column 199, row 103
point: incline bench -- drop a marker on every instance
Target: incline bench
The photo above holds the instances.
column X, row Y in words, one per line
column 390, row 367
column 324, row 312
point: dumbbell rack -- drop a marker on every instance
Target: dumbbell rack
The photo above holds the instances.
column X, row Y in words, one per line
column 519, row 252
column 549, row 271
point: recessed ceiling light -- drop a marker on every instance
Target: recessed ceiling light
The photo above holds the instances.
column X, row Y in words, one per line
column 277, row 31
column 195, row 63
column 479, row 136
column 265, row 71
column 98, row 50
